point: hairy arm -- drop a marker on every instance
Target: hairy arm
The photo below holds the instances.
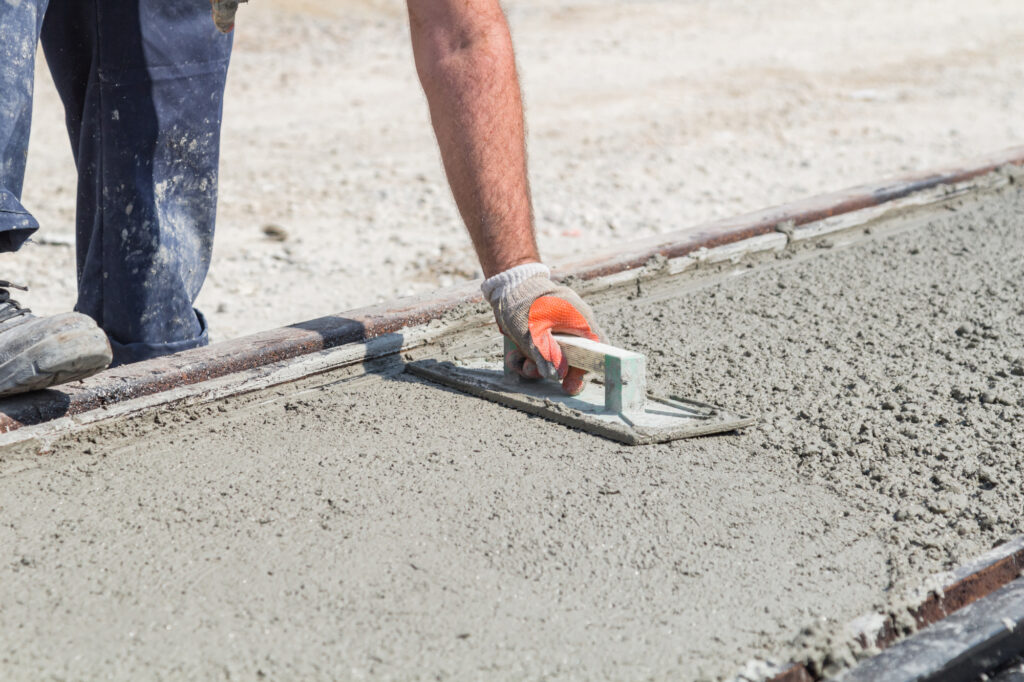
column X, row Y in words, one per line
column 466, row 64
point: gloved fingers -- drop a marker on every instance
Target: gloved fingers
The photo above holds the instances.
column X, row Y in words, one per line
column 555, row 315
column 530, row 370
column 519, row 363
column 529, row 312
column 575, row 380
column 548, row 356
column 572, row 384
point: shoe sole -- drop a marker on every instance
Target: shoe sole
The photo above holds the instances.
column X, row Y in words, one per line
column 24, row 372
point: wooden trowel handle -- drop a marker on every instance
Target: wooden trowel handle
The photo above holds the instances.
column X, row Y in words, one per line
column 624, row 372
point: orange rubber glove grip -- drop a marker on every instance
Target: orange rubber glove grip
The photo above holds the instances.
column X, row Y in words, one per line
column 552, row 315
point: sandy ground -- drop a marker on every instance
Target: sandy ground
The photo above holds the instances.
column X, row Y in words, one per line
column 389, row 528
column 645, row 117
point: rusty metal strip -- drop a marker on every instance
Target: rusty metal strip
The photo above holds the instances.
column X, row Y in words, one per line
column 729, row 230
column 967, row 584
column 202, row 364
column 794, row 673
column 964, row 647
column 228, row 357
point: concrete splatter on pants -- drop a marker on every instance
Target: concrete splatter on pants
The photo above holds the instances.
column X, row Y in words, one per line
column 142, row 83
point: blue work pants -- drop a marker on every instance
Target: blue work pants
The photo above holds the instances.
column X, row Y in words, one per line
column 142, row 82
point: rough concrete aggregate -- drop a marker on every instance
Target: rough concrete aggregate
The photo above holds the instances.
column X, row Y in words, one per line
column 389, row 528
column 894, row 368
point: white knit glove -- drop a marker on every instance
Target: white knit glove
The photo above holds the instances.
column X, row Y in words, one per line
column 529, row 308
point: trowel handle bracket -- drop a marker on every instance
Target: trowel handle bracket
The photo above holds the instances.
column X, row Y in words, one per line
column 623, row 372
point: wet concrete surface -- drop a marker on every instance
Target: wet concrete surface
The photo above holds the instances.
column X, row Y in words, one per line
column 385, row 527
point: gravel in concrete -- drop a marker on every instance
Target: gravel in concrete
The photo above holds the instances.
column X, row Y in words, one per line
column 392, row 529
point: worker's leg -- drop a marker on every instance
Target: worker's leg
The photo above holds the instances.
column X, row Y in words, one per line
column 142, row 83
column 35, row 352
column 19, row 32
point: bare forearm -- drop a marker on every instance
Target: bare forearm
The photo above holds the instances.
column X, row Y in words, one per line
column 466, row 63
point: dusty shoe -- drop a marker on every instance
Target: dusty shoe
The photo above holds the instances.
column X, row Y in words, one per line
column 36, row 352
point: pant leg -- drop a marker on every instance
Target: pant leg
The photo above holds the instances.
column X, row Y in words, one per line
column 20, row 23
column 142, row 83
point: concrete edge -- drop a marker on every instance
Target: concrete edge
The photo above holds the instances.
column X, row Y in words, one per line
column 966, row 646
column 965, row 585
column 718, row 241
column 969, row 583
column 38, row 439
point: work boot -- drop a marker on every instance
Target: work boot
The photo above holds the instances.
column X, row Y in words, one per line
column 36, row 352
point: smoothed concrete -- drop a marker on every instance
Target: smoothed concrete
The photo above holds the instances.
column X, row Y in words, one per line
column 389, row 528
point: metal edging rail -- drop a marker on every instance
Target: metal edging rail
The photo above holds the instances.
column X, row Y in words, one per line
column 967, row 584
column 359, row 326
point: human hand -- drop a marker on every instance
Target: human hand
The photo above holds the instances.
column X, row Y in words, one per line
column 529, row 308
column 224, row 14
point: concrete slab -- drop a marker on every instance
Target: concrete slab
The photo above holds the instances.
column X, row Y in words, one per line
column 386, row 527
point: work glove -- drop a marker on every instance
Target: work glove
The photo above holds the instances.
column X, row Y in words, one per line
column 224, row 14
column 529, row 308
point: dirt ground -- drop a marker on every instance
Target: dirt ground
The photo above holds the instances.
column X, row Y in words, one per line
column 388, row 528
column 645, row 117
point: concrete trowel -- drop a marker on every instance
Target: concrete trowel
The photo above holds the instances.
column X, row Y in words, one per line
column 616, row 405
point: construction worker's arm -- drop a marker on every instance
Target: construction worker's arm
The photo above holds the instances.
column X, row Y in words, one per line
column 465, row 61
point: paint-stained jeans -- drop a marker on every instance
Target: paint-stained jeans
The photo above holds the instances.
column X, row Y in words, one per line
column 142, row 83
